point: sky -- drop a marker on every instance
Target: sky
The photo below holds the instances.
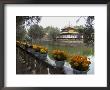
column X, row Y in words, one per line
column 61, row 21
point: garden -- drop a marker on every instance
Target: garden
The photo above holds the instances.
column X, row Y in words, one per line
column 47, row 47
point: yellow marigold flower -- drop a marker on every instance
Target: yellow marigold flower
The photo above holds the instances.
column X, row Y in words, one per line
column 85, row 65
column 59, row 54
column 42, row 51
column 81, row 62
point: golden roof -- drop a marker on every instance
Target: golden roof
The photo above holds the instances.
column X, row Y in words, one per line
column 69, row 30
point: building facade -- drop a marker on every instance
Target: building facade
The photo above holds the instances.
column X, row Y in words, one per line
column 70, row 33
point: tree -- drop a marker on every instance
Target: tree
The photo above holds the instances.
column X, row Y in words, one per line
column 20, row 32
column 25, row 21
column 36, row 33
column 27, row 38
column 20, row 20
column 53, row 32
column 48, row 29
column 89, row 31
column 80, row 29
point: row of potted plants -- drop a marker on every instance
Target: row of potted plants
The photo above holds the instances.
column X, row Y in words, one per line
column 38, row 50
column 79, row 63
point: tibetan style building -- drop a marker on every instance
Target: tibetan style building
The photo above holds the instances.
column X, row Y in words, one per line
column 70, row 33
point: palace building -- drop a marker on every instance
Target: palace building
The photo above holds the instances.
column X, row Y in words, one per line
column 70, row 33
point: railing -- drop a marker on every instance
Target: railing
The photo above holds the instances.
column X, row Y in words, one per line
column 28, row 63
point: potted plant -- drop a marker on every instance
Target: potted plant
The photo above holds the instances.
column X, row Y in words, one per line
column 36, row 49
column 40, row 51
column 59, row 57
column 80, row 64
column 43, row 53
column 29, row 49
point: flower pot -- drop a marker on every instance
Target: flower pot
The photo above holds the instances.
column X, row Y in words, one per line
column 37, row 54
column 43, row 56
column 59, row 64
column 29, row 49
column 78, row 71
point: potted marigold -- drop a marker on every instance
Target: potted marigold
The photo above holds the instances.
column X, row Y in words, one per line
column 43, row 53
column 36, row 49
column 59, row 57
column 80, row 64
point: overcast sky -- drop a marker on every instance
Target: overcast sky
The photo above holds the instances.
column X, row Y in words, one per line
column 61, row 21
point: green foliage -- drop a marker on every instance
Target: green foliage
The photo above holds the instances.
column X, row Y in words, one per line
column 53, row 32
column 20, row 20
column 27, row 38
column 87, row 31
column 20, row 33
column 80, row 29
column 36, row 32
column 48, row 29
